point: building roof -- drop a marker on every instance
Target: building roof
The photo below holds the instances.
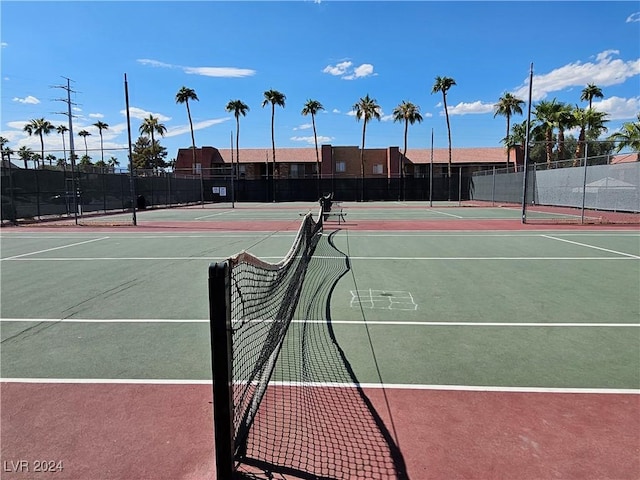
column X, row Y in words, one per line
column 624, row 158
column 417, row 156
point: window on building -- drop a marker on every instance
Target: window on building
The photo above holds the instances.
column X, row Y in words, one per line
column 296, row 170
column 197, row 168
column 341, row 167
column 377, row 169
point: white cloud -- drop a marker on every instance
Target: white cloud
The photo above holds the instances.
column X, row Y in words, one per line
column 464, row 108
column 386, row 118
column 96, row 115
column 182, row 129
column 605, row 71
column 226, row 72
column 4, row 44
column 304, row 126
column 619, row 108
column 141, row 114
column 28, row 99
column 310, row 140
column 335, row 110
column 346, row 72
column 634, row 17
column 338, row 69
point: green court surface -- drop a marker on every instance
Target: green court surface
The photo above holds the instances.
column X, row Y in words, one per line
column 542, row 310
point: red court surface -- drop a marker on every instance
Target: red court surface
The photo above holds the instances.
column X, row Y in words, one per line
column 135, row 431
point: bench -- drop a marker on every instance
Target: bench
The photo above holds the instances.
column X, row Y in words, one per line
column 336, row 213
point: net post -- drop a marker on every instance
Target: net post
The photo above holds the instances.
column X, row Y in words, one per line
column 221, row 365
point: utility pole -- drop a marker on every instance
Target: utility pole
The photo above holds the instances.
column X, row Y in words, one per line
column 75, row 184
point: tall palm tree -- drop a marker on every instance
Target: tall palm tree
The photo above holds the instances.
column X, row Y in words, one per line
column 408, row 113
column 591, row 123
column 564, row 120
column 150, row 126
column 366, row 108
column 546, row 113
column 40, row 127
column 628, row 136
column 84, row 134
column 183, row 96
column 590, row 92
column 443, row 84
column 274, row 98
column 311, row 108
column 62, row 129
column 25, row 154
column 508, row 105
column 238, row 107
column 101, row 126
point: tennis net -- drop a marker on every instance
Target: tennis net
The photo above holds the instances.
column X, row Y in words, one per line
column 252, row 303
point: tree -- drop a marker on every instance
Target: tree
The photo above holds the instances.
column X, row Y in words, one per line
column 274, row 98
column 443, row 84
column 25, row 154
column 101, row 126
column 85, row 162
column 183, row 96
column 590, row 92
column 40, row 127
column 366, row 108
column 628, row 136
column 508, row 104
column 564, row 121
column 148, row 156
column 151, row 125
column 546, row 113
column 408, row 113
column 238, row 107
column 51, row 157
column 591, row 123
column 61, row 129
column 113, row 163
column 312, row 107
column 84, row 134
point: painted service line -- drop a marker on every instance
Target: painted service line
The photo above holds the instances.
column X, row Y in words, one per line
column 391, row 386
column 213, row 215
column 590, row 246
column 17, row 257
column 340, row 322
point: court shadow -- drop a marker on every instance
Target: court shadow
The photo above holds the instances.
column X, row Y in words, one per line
column 315, row 421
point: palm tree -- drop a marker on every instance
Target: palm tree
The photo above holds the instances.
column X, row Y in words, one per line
column 113, row 163
column 101, row 126
column 564, row 121
column 311, row 108
column 590, row 92
column 366, row 108
column 591, row 123
column 25, row 154
column 508, row 104
column 274, row 98
column 40, row 127
column 84, row 134
column 61, row 129
column 628, row 136
column 151, row 125
column 546, row 114
column 183, row 96
column 408, row 113
column 238, row 107
column 443, row 84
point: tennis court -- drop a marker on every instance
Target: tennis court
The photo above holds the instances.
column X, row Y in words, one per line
column 483, row 348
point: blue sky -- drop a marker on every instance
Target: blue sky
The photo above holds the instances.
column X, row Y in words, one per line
column 331, row 51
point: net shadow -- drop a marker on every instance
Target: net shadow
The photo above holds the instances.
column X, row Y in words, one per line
column 315, row 421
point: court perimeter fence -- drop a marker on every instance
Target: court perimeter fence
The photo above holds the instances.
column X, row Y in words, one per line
column 564, row 191
column 44, row 193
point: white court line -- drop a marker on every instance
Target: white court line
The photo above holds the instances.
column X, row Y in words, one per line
column 15, row 257
column 590, row 246
column 213, row 215
column 445, row 213
column 341, row 322
column 388, row 386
